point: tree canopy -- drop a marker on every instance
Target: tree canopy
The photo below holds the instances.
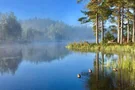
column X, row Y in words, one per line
column 120, row 13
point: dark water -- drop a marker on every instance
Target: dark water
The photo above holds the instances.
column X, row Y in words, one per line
column 50, row 66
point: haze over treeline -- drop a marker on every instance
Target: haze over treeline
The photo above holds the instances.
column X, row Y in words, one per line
column 40, row 29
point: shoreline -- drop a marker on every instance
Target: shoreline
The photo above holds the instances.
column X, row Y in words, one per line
column 108, row 48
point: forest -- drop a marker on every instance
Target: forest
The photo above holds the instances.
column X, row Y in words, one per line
column 118, row 15
column 39, row 29
column 113, row 24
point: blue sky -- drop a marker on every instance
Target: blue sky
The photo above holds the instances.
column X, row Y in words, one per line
column 64, row 10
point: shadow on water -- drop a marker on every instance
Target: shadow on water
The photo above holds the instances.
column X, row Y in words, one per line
column 111, row 72
column 11, row 56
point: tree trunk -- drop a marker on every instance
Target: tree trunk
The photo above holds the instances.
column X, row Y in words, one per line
column 102, row 31
column 97, row 37
column 121, row 33
column 119, row 24
column 128, row 28
column 133, row 35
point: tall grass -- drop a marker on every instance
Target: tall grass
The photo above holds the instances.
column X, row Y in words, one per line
column 114, row 47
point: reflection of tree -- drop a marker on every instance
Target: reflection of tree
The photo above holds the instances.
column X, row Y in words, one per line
column 104, row 78
column 126, row 72
column 98, row 80
column 9, row 60
column 44, row 53
column 11, row 56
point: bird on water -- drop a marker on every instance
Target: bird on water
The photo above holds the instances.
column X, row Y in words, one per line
column 90, row 71
column 114, row 69
column 79, row 75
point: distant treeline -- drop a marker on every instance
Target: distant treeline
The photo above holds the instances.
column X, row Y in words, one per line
column 38, row 29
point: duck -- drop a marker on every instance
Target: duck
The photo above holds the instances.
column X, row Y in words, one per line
column 90, row 71
column 114, row 69
column 79, row 75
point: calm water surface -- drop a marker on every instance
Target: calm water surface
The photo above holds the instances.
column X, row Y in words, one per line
column 50, row 66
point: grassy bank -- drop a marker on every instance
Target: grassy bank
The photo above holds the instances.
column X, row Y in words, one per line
column 113, row 47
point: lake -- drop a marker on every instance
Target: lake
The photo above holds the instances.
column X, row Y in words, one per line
column 50, row 66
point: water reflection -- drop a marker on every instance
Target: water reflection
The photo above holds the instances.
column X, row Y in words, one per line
column 12, row 56
column 109, row 71
column 106, row 77
column 45, row 52
column 9, row 60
